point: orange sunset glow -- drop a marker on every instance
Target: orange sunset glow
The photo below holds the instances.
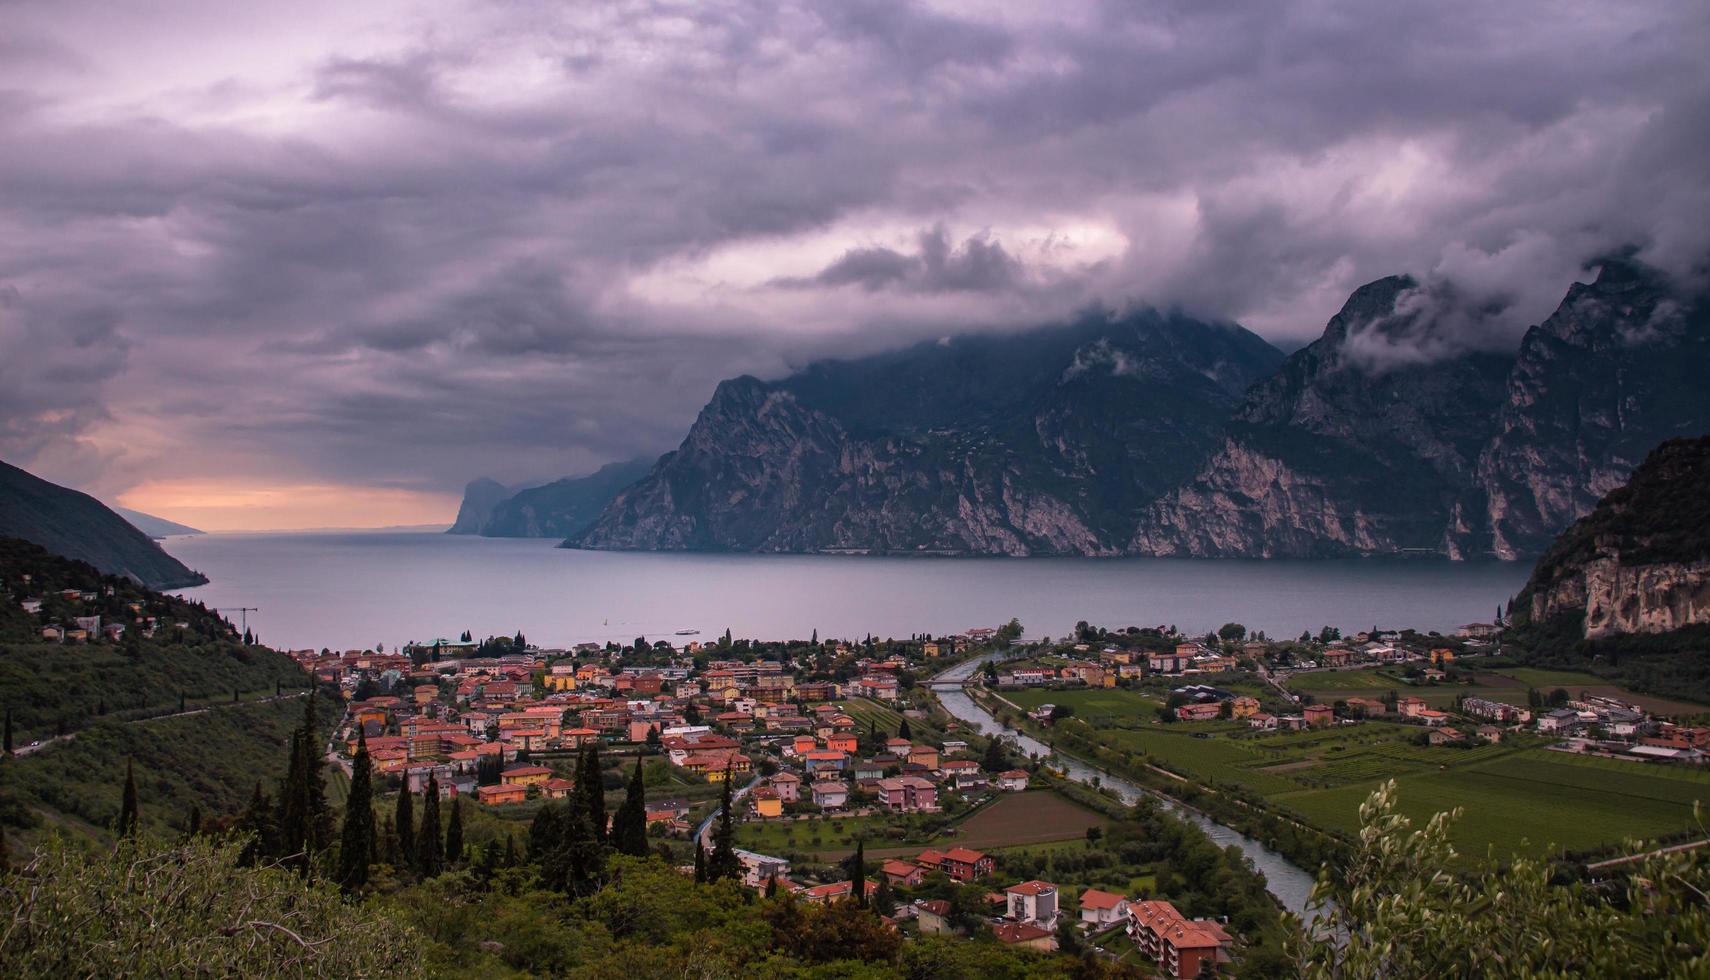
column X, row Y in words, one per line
column 236, row 506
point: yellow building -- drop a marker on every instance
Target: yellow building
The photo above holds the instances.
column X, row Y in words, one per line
column 1442, row 657
column 1244, row 707
column 559, row 682
column 929, row 649
column 766, row 802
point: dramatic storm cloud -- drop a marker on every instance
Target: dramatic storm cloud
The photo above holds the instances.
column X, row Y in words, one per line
column 367, row 251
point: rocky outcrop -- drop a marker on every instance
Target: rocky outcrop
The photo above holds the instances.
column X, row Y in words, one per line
column 1046, row 442
column 562, row 507
column 1640, row 561
column 1616, row 599
column 1353, row 447
column 1619, row 367
column 479, row 499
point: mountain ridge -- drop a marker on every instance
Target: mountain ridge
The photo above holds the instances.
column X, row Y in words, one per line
column 75, row 525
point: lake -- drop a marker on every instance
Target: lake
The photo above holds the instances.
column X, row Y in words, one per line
column 356, row 589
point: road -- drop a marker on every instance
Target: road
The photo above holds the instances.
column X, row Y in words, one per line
column 55, row 740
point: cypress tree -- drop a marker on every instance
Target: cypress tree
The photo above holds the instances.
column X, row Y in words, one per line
column 454, row 833
column 430, row 847
column 257, row 822
column 193, row 823
column 700, row 860
column 858, row 874
column 545, row 834
column 356, row 845
column 903, row 731
column 772, row 887
column 510, row 850
column 317, row 812
column 406, row 827
column 128, row 804
column 387, row 851
column 629, row 828
column 723, row 863
column 594, row 796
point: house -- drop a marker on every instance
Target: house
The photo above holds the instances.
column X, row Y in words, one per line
column 525, row 775
column 556, row 788
column 924, row 755
column 1100, row 908
column 829, row 795
column 834, row 891
column 1182, row 947
column 788, row 786
column 1025, row 935
column 1263, row 722
column 1208, row 711
column 1319, row 715
column 1559, row 720
column 907, row 794
column 1033, row 901
column 934, row 917
column 960, row 863
column 502, row 795
column 826, row 760
column 1013, row 781
column 904, row 873
column 757, row 869
column 843, row 742
column 766, row 803
column 1440, row 736
column 1410, row 707
column 1490, row 733
column 1244, row 706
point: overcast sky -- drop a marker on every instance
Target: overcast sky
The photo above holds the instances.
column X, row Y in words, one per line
column 309, row 264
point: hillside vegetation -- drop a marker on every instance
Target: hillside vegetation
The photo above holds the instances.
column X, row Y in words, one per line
column 78, row 526
column 51, row 688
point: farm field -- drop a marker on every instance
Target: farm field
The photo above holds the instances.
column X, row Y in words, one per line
column 1506, row 684
column 1512, row 792
column 1016, row 819
column 1112, row 705
column 1526, row 802
column 1575, row 682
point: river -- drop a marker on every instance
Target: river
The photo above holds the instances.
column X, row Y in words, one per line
column 1291, row 884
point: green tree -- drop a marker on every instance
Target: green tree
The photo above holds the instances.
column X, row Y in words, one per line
column 356, row 843
column 1396, row 911
column 189, row 908
column 404, row 825
column 723, row 862
column 454, row 832
column 430, row 846
column 127, row 826
column 700, row 861
column 591, row 791
column 903, row 731
column 629, row 827
column 858, row 874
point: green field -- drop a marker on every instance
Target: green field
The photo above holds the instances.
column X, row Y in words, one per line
column 1102, row 705
column 1527, row 802
column 1511, row 792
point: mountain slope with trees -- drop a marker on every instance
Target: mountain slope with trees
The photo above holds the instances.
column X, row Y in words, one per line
column 76, row 525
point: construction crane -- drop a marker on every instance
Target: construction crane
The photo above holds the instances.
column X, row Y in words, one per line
column 242, row 611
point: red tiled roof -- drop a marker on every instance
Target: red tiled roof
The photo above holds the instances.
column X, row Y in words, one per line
column 1092, row 898
column 1031, row 888
column 1018, row 932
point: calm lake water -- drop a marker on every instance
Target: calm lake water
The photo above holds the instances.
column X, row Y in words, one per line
column 347, row 590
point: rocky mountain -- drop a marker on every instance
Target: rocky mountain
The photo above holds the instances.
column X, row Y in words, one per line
column 154, row 527
column 1640, row 561
column 76, row 525
column 1399, row 431
column 1043, row 442
column 563, row 507
column 479, row 499
column 1619, row 367
column 1348, row 449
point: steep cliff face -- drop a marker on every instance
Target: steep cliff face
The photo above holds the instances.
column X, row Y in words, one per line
column 1619, row 367
column 479, row 499
column 1353, row 447
column 1640, row 561
column 1039, row 443
column 562, row 507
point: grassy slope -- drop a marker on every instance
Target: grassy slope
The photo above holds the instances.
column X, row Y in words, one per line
column 210, row 758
